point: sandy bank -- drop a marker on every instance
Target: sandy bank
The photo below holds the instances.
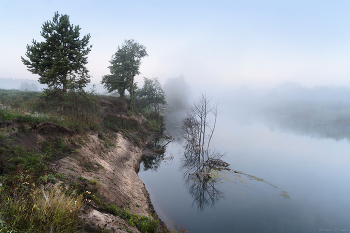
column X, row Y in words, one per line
column 112, row 176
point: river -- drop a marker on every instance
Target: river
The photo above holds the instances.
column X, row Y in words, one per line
column 299, row 179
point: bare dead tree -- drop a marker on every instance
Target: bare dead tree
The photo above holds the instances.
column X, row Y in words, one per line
column 198, row 131
column 200, row 162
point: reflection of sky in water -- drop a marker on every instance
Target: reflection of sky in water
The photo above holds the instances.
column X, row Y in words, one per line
column 313, row 170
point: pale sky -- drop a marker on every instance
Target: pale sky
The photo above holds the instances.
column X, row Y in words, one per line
column 221, row 44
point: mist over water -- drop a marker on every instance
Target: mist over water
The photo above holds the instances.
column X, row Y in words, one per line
column 289, row 146
column 178, row 101
column 290, row 135
column 287, row 149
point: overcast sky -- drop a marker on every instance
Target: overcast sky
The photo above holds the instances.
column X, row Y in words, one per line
column 222, row 44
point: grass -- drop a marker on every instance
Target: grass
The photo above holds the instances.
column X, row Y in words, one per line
column 121, row 123
column 76, row 111
column 107, row 139
column 73, row 110
column 35, row 213
column 13, row 156
column 144, row 224
column 24, row 207
column 96, row 199
column 93, row 182
column 60, row 176
column 137, row 126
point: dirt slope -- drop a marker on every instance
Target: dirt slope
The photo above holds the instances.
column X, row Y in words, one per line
column 115, row 172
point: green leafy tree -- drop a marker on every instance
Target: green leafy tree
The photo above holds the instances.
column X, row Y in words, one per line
column 124, row 67
column 60, row 60
column 151, row 95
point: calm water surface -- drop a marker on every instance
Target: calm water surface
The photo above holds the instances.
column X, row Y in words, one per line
column 306, row 162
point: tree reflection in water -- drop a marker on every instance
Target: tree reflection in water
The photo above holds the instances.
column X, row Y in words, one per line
column 200, row 178
column 152, row 162
column 203, row 167
column 199, row 161
column 155, row 153
column 203, row 179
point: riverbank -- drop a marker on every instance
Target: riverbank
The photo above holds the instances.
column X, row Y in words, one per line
column 112, row 178
column 102, row 169
column 91, row 165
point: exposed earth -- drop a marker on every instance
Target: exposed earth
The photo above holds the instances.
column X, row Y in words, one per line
column 105, row 164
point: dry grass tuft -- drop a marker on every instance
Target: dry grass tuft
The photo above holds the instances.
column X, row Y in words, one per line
column 40, row 211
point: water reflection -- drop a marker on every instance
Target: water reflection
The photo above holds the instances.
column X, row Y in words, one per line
column 203, row 191
column 296, row 165
column 155, row 153
column 203, row 179
column 305, row 127
column 198, row 161
column 150, row 162
column 173, row 125
column 200, row 178
column 302, row 126
column 153, row 161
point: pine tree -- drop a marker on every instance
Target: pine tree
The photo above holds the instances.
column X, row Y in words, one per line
column 60, row 60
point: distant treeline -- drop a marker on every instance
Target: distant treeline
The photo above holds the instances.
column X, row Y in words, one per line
column 10, row 83
column 321, row 111
column 288, row 93
column 318, row 94
column 321, row 104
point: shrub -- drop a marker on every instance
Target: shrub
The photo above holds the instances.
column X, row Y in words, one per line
column 93, row 182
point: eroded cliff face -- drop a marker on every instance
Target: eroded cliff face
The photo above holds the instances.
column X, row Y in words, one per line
column 102, row 165
column 111, row 175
